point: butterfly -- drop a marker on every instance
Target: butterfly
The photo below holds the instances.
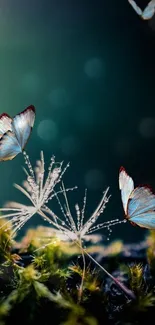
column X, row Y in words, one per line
column 147, row 13
column 138, row 203
column 15, row 132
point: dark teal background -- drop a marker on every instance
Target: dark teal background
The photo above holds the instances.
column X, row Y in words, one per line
column 89, row 68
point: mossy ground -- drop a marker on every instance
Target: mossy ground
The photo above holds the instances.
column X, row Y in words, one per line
column 42, row 285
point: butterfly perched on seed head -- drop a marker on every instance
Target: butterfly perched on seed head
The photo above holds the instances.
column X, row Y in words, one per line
column 138, row 203
column 15, row 132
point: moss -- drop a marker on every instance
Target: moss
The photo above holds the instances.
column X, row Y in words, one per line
column 6, row 241
column 91, row 281
column 42, row 284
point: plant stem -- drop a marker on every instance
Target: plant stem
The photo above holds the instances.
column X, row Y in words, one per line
column 83, row 273
column 118, row 283
column 127, row 291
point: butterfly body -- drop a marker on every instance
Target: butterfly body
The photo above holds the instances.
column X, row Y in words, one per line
column 138, row 203
column 15, row 132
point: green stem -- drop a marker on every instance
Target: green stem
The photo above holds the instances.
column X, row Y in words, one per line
column 83, row 273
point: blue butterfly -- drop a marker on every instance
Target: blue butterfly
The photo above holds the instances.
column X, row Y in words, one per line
column 147, row 13
column 15, row 132
column 138, row 203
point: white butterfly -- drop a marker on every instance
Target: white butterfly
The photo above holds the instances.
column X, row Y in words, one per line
column 138, row 203
column 14, row 132
column 147, row 13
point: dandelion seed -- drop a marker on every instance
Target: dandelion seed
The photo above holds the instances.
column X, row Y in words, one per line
column 78, row 230
column 40, row 191
column 37, row 189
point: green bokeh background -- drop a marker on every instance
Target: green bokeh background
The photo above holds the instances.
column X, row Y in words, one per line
column 89, row 69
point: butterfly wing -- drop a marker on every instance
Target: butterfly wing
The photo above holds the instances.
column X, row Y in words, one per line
column 135, row 7
column 145, row 220
column 141, row 207
column 22, row 125
column 9, row 146
column 141, row 200
column 126, row 186
column 5, row 124
column 149, row 11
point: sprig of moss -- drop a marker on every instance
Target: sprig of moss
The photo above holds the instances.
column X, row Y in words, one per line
column 51, row 280
column 29, row 280
column 51, row 259
column 136, row 278
column 91, row 280
column 6, row 242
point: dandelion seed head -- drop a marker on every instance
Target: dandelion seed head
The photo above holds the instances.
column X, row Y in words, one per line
column 40, row 188
column 77, row 230
column 37, row 188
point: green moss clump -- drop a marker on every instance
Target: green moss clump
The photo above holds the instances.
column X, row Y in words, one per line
column 43, row 284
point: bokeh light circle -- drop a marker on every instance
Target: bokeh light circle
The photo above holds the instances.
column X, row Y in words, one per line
column 147, row 127
column 47, row 130
column 94, row 68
